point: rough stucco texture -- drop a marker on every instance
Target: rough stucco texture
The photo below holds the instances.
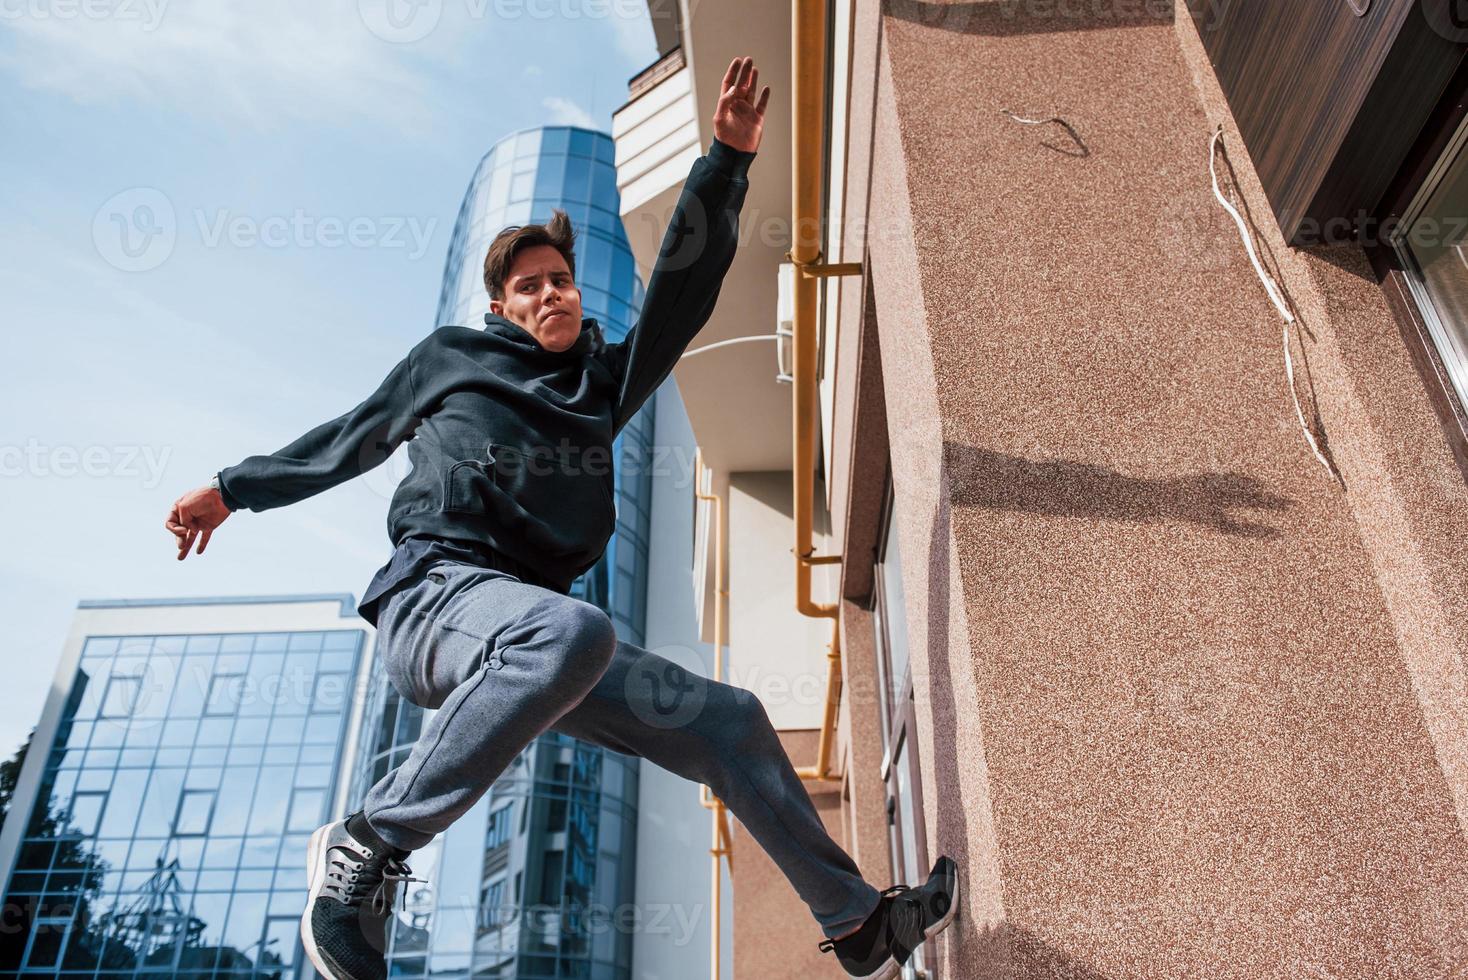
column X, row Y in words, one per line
column 1204, row 752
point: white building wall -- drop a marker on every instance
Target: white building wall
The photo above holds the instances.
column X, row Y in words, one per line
column 674, row 831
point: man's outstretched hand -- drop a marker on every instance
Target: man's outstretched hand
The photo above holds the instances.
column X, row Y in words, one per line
column 739, row 120
column 195, row 515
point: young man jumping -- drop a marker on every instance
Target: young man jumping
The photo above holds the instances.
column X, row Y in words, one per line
column 509, row 431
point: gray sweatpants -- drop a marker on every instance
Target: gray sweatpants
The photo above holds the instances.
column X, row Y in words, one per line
column 503, row 661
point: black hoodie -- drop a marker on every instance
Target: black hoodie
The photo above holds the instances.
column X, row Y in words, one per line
column 510, row 443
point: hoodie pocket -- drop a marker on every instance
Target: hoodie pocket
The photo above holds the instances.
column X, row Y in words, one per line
column 561, row 509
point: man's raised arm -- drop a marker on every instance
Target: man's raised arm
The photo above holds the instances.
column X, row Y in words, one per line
column 329, row 454
column 698, row 246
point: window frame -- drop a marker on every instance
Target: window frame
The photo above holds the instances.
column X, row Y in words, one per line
column 1392, row 275
column 899, row 729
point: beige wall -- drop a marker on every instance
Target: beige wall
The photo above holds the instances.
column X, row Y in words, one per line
column 774, row 651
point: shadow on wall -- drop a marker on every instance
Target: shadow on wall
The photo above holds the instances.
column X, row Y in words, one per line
column 997, row 481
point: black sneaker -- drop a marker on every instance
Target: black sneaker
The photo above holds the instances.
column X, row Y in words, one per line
column 898, row 925
column 353, row 877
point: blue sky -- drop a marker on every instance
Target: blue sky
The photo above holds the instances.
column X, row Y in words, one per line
column 224, row 223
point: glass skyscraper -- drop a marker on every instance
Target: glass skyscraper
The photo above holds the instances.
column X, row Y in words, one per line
column 160, row 822
column 533, row 881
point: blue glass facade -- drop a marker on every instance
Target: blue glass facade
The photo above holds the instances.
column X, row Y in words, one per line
column 168, row 837
column 532, row 882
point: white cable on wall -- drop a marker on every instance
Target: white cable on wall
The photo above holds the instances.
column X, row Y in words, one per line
column 736, row 340
column 1276, row 296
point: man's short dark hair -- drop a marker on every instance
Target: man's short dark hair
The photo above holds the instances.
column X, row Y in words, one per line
column 556, row 233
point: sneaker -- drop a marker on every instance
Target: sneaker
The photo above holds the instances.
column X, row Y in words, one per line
column 898, row 925
column 353, row 876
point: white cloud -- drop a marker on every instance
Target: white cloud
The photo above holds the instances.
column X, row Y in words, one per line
column 257, row 63
column 564, row 112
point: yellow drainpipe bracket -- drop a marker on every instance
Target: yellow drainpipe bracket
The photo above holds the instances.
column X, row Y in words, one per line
column 817, row 269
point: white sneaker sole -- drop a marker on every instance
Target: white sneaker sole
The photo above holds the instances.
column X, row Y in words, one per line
column 314, row 880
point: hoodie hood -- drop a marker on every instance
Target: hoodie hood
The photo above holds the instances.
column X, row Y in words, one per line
column 588, row 341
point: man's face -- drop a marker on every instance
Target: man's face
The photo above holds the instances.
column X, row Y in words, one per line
column 541, row 298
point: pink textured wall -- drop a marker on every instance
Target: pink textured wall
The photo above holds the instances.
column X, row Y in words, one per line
column 1188, row 704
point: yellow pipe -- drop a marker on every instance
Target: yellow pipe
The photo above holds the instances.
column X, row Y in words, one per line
column 722, row 845
column 808, row 72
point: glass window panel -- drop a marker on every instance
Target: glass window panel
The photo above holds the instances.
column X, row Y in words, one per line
column 195, row 809
column 160, row 805
column 143, row 732
column 201, row 644
column 337, row 661
column 341, row 640
column 317, row 776
column 169, row 644
column 121, row 695
column 172, row 757
column 318, row 753
column 583, row 143
column 254, row 879
column 123, row 803
column 323, row 729
column 79, row 732
column 307, row 807
column 203, row 777
column 250, row 731
column 180, row 732
column 578, row 179
column 158, row 683
column 235, row 791
column 237, row 643
column 549, row 177
column 271, row 642
column 214, row 732
column 527, row 143
column 246, row 755
column 522, row 188
column 211, row 756
column 304, row 641
column 280, row 941
column 225, row 694
column 46, row 942
column 232, row 663
column 100, row 646
column 286, row 730
column 270, row 804
column 212, row 910
column 555, row 139
column 282, row 754
column 331, row 692
column 86, row 812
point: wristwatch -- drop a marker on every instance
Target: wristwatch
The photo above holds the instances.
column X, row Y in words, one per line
column 214, row 482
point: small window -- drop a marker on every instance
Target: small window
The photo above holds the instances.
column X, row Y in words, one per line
column 47, row 942
column 195, row 811
column 225, row 692
column 86, row 813
column 121, row 696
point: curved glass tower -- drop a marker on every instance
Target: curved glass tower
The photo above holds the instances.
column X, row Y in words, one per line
column 534, row 880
